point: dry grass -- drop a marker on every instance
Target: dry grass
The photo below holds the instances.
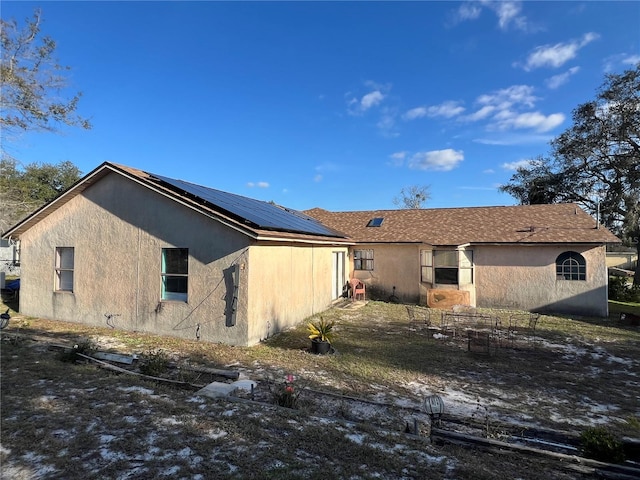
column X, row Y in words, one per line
column 62, row 420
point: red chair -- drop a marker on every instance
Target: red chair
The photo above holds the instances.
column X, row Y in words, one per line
column 357, row 288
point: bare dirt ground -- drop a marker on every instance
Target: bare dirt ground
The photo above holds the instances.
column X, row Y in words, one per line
column 356, row 412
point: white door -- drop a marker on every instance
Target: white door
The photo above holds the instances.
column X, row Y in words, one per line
column 337, row 274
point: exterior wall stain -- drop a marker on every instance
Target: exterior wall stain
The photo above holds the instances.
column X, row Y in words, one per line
column 118, row 230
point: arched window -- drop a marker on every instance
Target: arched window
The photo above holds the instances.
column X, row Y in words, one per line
column 571, row 266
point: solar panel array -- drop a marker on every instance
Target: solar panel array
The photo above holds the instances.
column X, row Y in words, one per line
column 261, row 214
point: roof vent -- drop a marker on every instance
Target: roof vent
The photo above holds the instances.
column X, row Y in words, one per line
column 375, row 222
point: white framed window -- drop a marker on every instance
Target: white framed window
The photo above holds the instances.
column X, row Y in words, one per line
column 446, row 267
column 175, row 273
column 64, row 269
column 363, row 259
column 426, row 266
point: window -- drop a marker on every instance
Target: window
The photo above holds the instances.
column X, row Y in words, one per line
column 363, row 259
column 571, row 266
column 175, row 273
column 426, row 266
column 375, row 222
column 446, row 267
column 64, row 269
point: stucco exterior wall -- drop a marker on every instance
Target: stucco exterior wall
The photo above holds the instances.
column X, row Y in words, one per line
column 524, row 277
column 287, row 283
column 393, row 265
column 118, row 229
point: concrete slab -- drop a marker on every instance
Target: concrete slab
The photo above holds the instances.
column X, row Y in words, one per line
column 115, row 357
column 245, row 384
column 217, row 389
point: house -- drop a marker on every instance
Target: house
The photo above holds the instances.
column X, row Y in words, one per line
column 9, row 257
column 545, row 258
column 133, row 250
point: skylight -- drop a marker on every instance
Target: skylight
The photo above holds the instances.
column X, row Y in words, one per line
column 375, row 222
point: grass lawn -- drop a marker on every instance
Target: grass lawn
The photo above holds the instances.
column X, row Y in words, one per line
column 69, row 420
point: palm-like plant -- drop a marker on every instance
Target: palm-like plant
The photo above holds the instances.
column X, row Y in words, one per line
column 321, row 330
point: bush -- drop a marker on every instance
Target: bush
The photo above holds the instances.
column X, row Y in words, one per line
column 287, row 393
column 85, row 347
column 620, row 290
column 154, row 363
column 598, row 443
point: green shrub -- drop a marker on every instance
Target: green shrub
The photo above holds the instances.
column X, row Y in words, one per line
column 85, row 347
column 154, row 362
column 286, row 394
column 620, row 290
column 598, row 443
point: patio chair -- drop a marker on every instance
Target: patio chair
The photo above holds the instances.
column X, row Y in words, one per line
column 357, row 288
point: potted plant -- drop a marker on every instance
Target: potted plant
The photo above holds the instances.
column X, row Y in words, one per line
column 321, row 335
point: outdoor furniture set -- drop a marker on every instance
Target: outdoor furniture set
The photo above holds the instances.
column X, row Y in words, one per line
column 480, row 331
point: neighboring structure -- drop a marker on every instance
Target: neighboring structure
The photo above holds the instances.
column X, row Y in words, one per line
column 545, row 258
column 9, row 257
column 622, row 260
column 132, row 250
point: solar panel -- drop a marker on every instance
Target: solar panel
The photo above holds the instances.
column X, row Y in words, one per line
column 261, row 214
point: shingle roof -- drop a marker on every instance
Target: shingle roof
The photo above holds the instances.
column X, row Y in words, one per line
column 295, row 226
column 556, row 223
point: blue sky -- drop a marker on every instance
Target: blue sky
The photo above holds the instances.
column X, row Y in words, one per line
column 336, row 105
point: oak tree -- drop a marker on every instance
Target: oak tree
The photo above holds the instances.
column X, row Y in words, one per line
column 595, row 162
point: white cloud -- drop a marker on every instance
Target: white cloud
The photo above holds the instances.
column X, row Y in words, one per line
column 514, row 139
column 614, row 62
column 318, row 177
column 439, row 160
column 557, row 55
column 508, row 97
column 507, row 119
column 397, row 158
column 560, row 79
column 508, row 13
column 468, row 11
column 516, row 165
column 414, row 113
column 502, row 109
column 631, row 60
column 377, row 93
column 258, row 184
column 386, row 123
column 371, row 100
column 446, row 109
column 538, row 121
column 481, row 114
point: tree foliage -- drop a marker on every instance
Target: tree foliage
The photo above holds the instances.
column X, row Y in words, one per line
column 32, row 81
column 414, row 196
column 595, row 162
column 34, row 98
column 25, row 190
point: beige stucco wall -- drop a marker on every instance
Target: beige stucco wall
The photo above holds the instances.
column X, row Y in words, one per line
column 287, row 283
column 118, row 230
column 524, row 277
column 393, row 265
column 519, row 277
